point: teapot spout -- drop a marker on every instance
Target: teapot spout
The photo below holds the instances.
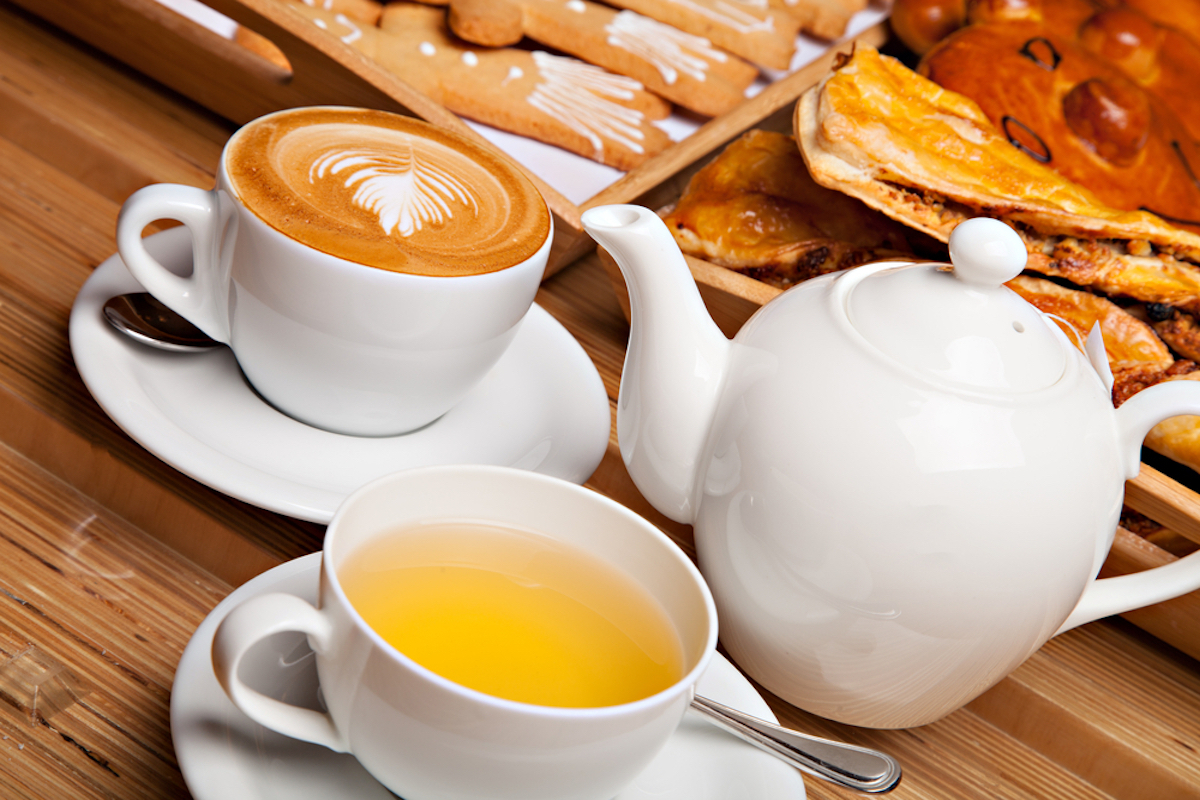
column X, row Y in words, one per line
column 676, row 362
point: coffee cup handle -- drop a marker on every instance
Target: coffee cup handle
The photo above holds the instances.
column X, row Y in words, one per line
column 211, row 216
column 245, row 626
column 1107, row 596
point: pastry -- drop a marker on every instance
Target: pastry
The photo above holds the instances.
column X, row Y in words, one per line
column 1083, row 115
column 1137, row 357
column 755, row 209
column 1099, row 90
column 930, row 158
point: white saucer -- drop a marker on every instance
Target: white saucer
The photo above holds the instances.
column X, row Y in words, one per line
column 225, row 756
column 542, row 407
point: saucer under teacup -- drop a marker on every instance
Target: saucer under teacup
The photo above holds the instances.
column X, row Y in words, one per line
column 226, row 756
column 543, row 407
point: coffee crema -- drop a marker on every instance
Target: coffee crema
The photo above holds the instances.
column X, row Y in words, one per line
column 387, row 191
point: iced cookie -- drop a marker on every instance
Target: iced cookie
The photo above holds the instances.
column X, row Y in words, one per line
column 825, row 19
column 554, row 99
column 367, row 11
column 753, row 29
column 682, row 67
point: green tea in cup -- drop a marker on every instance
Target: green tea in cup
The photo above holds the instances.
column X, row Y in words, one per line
column 514, row 614
column 488, row 633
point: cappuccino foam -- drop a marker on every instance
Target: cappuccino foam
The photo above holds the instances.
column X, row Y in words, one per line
column 387, row 191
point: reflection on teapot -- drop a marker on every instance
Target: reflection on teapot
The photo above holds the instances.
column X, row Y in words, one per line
column 903, row 478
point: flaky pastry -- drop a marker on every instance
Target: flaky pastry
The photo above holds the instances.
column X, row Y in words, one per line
column 930, row 158
column 755, row 209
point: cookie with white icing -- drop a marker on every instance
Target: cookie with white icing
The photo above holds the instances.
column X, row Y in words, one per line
column 682, row 67
column 756, row 30
column 825, row 19
column 554, row 99
column 367, row 11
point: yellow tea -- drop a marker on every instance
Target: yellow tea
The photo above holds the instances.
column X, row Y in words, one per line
column 514, row 614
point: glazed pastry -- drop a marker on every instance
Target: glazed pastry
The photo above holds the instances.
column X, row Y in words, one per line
column 1100, row 90
column 1181, row 15
column 1154, row 44
column 1078, row 114
column 1137, row 357
column 920, row 24
column 1135, row 353
column 755, row 209
column 1179, row 329
column 1157, row 57
column 930, row 158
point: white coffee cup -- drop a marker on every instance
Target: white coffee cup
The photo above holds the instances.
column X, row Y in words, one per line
column 423, row 736
column 339, row 342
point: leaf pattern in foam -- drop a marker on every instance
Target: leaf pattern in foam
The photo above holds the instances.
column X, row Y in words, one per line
column 405, row 192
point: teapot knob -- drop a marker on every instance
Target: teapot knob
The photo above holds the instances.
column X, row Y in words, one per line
column 986, row 252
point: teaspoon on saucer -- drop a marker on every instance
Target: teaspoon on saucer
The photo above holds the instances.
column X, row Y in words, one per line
column 853, row 767
column 142, row 317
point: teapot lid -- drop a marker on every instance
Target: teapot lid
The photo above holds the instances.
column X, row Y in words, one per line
column 962, row 325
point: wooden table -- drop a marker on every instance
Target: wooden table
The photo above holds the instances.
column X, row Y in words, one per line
column 110, row 558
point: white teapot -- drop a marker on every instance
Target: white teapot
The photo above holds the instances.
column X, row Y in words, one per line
column 903, row 477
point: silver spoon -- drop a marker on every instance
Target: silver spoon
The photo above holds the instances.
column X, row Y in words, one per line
column 141, row 316
column 853, row 767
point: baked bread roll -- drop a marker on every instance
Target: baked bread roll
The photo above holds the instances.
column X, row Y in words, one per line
column 920, row 24
column 1100, row 90
column 1081, row 115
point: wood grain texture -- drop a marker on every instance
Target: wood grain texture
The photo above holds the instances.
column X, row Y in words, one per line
column 85, row 588
column 57, row 223
column 109, row 559
column 1165, row 501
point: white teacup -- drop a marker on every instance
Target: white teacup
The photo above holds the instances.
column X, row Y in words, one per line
column 367, row 269
column 424, row 736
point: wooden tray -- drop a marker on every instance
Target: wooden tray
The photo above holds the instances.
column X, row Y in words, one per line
column 240, row 84
column 109, row 558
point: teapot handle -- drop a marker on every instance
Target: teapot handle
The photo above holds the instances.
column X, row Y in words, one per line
column 1107, row 596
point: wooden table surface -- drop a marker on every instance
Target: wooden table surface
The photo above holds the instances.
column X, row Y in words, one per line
column 109, row 558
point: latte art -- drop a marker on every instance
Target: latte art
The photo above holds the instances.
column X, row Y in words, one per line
column 387, row 191
column 406, row 193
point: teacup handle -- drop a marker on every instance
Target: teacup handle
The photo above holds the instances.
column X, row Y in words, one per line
column 211, row 217
column 1107, row 596
column 251, row 622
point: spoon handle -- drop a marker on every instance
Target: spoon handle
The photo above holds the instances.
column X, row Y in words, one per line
column 853, row 767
